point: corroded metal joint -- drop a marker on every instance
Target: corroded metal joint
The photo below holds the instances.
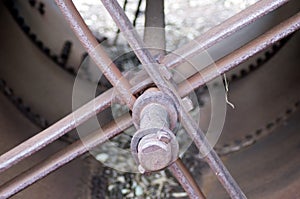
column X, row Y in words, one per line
column 152, row 97
column 154, row 145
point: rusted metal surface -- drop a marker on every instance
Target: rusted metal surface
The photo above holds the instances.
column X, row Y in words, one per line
column 258, row 167
column 154, row 96
column 167, row 87
column 55, row 131
column 68, row 123
column 239, row 56
column 184, row 177
column 63, row 126
column 220, row 32
column 62, row 157
column 95, row 50
column 156, row 151
column 154, row 145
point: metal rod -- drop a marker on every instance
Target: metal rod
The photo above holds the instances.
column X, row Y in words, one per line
column 90, row 109
column 62, row 157
column 100, row 103
column 220, row 32
column 184, row 177
column 166, row 86
column 241, row 55
column 95, row 50
column 55, row 131
column 154, row 33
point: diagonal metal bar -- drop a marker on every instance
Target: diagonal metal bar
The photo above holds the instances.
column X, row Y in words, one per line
column 237, row 57
column 184, row 177
column 95, row 50
column 222, row 31
column 55, row 131
column 166, row 86
column 81, row 115
column 62, row 157
column 100, row 103
column 76, row 150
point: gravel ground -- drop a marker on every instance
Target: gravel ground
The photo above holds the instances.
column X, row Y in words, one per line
column 185, row 19
column 188, row 17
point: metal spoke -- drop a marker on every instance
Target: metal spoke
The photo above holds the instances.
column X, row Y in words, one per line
column 184, row 177
column 55, row 131
column 164, row 85
column 100, row 103
column 239, row 56
column 222, row 31
column 62, row 157
column 154, row 38
column 95, row 50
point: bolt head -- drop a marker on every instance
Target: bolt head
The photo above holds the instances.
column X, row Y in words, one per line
column 154, row 154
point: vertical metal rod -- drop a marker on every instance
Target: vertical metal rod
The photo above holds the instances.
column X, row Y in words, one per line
column 220, row 32
column 184, row 177
column 166, row 86
column 154, row 33
column 95, row 50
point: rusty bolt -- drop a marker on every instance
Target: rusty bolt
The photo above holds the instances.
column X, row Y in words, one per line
column 154, row 145
column 154, row 154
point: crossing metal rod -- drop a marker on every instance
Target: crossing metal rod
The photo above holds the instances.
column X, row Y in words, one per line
column 154, row 39
column 62, row 157
column 237, row 57
column 100, row 103
column 68, row 123
column 95, row 50
column 184, row 177
column 55, row 131
column 166, row 86
column 75, row 150
column 222, row 31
